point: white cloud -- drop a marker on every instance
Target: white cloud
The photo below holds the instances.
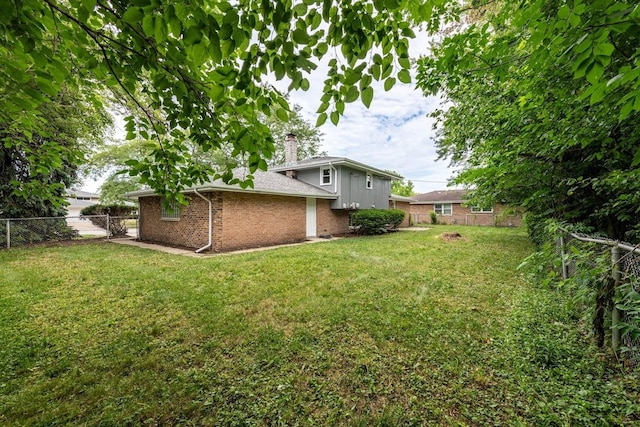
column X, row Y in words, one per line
column 395, row 133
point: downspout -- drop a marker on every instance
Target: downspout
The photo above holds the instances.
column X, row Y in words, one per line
column 335, row 181
column 208, row 245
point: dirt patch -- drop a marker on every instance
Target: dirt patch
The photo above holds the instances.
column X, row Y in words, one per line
column 451, row 237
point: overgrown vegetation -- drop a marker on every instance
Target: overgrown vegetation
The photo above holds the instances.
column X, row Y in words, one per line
column 377, row 221
column 399, row 329
column 590, row 284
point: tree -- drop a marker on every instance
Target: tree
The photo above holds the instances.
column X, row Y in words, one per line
column 201, row 65
column 36, row 168
column 309, row 136
column 400, row 187
column 111, row 160
column 543, row 112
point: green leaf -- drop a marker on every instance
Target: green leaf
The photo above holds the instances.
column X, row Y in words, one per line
column 282, row 114
column 335, row 117
column 594, row 72
column 160, row 29
column 389, row 83
column 352, row 94
column 147, row 25
column 300, row 36
column 133, row 15
column 322, row 118
column 598, row 94
column 367, row 96
column 563, row 12
column 404, row 76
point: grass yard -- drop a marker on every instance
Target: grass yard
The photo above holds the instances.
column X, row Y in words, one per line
column 401, row 329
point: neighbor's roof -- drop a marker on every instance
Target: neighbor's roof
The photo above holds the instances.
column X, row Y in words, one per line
column 315, row 162
column 75, row 203
column 398, row 198
column 263, row 183
column 443, row 196
column 72, row 192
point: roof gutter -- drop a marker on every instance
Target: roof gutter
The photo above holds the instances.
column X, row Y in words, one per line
column 208, row 245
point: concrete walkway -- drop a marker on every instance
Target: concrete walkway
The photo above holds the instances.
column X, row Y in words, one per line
column 192, row 253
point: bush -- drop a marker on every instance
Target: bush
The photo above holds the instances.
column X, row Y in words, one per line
column 117, row 217
column 377, row 221
column 434, row 218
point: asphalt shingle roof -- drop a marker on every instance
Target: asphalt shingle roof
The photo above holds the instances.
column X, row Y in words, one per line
column 449, row 196
column 263, row 182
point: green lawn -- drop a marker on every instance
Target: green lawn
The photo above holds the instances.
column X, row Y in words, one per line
column 401, row 329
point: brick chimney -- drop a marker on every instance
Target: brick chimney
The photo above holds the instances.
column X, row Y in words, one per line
column 290, row 153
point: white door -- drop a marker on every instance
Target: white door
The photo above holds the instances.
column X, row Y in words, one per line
column 311, row 217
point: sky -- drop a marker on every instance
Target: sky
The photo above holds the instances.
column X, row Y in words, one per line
column 395, row 133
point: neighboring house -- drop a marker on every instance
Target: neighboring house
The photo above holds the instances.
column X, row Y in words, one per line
column 79, row 200
column 450, row 208
column 289, row 203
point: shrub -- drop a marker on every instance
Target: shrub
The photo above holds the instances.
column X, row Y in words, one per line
column 434, row 218
column 377, row 221
column 117, row 217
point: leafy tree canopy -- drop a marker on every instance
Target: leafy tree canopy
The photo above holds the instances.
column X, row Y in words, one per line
column 544, row 100
column 36, row 167
column 401, row 187
column 201, row 65
column 111, row 159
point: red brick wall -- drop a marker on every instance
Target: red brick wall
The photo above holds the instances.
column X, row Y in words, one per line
column 190, row 231
column 254, row 220
column 330, row 221
column 403, row 206
column 463, row 215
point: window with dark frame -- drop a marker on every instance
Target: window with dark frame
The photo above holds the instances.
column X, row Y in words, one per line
column 369, row 181
column 325, row 178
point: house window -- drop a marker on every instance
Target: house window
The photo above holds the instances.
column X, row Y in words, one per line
column 169, row 212
column 369, row 181
column 443, row 209
column 325, row 176
column 478, row 209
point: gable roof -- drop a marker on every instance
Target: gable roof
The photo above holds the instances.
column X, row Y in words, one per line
column 317, row 162
column 442, row 196
column 263, row 183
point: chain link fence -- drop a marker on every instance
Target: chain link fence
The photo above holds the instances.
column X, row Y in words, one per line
column 16, row 232
column 619, row 263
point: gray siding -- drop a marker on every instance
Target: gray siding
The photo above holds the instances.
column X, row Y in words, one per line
column 351, row 187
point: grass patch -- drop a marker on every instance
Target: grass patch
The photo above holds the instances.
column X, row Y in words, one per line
column 400, row 329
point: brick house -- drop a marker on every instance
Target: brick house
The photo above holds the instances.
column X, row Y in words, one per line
column 450, row 208
column 289, row 203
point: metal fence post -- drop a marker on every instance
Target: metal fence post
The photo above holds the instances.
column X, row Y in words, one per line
column 8, row 234
column 615, row 313
column 108, row 227
column 565, row 267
